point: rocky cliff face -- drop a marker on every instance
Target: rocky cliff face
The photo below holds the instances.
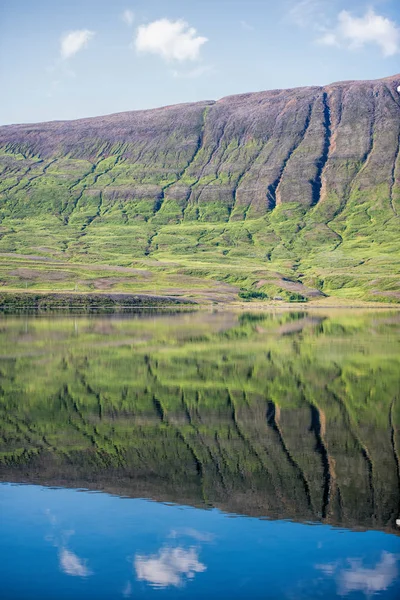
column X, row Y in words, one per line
column 248, row 152
column 318, row 165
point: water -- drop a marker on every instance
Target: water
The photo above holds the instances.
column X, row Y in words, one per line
column 237, row 456
column 68, row 544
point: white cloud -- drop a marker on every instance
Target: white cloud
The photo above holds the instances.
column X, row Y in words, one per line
column 356, row 32
column 71, row 564
column 128, row 17
column 357, row 578
column 170, row 567
column 74, row 41
column 172, row 40
column 329, row 39
column 369, row 581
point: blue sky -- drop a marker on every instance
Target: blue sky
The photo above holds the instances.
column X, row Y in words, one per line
column 66, row 59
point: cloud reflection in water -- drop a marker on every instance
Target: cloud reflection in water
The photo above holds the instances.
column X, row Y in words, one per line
column 169, row 567
column 357, row 578
column 71, row 564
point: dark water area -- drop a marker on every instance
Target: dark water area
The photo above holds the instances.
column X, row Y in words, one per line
column 195, row 455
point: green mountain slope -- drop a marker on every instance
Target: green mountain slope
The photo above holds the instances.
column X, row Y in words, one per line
column 285, row 192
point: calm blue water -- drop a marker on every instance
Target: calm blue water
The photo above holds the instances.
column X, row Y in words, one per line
column 60, row 543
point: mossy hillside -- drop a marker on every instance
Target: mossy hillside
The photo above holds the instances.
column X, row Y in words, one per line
column 231, row 251
column 258, row 191
column 111, row 401
column 236, row 346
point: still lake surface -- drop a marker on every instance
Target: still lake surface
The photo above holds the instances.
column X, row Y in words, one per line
column 200, row 455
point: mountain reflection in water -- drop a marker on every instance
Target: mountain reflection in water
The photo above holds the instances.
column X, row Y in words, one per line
column 284, row 415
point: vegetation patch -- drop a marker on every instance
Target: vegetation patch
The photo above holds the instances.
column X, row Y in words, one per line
column 25, row 301
column 249, row 295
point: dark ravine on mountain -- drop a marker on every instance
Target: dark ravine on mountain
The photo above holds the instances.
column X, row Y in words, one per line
column 293, row 193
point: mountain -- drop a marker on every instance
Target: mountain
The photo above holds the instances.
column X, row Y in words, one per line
column 294, row 193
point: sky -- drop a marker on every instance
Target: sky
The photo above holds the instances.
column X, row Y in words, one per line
column 68, row 59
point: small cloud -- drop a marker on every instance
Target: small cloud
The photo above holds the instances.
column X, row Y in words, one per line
column 71, row 564
column 172, row 40
column 367, row 580
column 192, row 73
column 329, row 39
column 74, row 41
column 245, row 25
column 356, row 32
column 170, row 567
column 128, row 17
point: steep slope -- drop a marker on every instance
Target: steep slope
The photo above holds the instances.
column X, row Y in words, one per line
column 285, row 191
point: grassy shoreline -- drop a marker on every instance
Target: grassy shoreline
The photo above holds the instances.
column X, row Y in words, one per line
column 12, row 301
column 85, row 302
